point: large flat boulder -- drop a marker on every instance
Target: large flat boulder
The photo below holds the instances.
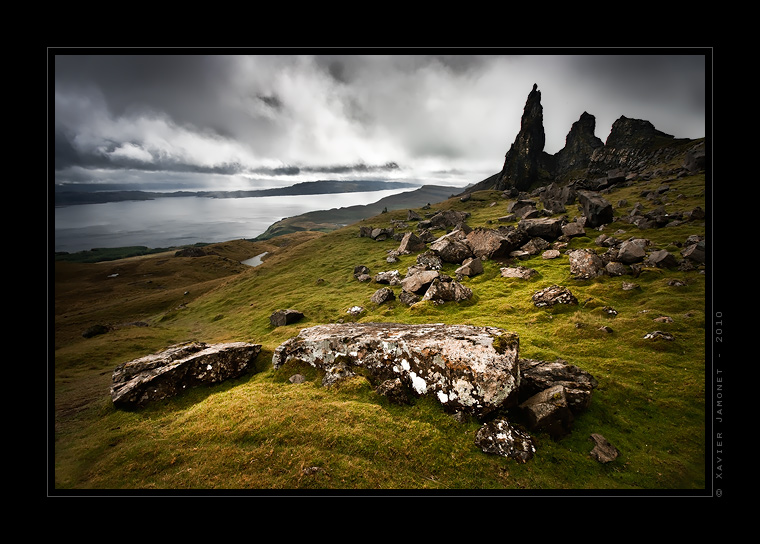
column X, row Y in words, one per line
column 468, row 369
column 169, row 372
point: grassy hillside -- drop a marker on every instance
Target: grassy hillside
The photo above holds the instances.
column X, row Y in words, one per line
column 260, row 432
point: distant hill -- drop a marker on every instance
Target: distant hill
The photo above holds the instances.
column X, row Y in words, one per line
column 88, row 195
column 329, row 220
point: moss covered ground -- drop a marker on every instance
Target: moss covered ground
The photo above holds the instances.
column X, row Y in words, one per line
column 260, row 433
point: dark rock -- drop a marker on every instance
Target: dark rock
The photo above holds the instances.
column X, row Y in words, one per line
column 662, row 259
column 361, row 270
column 95, row 330
column 419, row 281
column 284, row 317
column 695, row 252
column 597, row 210
column 381, row 234
column 498, row 437
column 632, row 251
column 447, row 291
column 448, row 219
column 452, row 248
column 168, row 373
column 410, row 243
column 470, row 267
column 537, row 376
column 548, row 411
column 573, row 229
column 522, row 163
column 490, row 243
column 383, row 295
column 409, row 298
column 411, row 215
column 603, row 451
column 466, row 368
column 580, row 145
column 547, row 228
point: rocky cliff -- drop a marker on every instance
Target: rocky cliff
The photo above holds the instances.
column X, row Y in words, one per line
column 633, row 149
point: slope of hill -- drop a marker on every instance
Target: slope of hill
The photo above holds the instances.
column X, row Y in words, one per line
column 260, row 432
column 328, row 220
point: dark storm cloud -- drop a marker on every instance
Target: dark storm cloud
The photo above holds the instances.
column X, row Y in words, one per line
column 248, row 116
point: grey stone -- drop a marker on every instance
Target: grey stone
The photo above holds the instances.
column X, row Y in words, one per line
column 169, row 372
column 466, row 368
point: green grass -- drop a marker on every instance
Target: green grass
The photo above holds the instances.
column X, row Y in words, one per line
column 261, row 432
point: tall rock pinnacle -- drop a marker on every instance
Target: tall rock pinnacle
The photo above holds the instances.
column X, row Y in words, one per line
column 521, row 164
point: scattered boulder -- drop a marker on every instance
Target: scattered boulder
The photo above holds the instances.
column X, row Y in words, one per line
column 552, row 295
column 419, row 281
column 451, row 247
column 389, row 277
column 537, row 376
column 169, row 372
column 410, row 243
column 662, row 259
column 603, row 451
column 548, row 228
column 448, row 219
column 362, row 273
column 447, row 291
column 429, row 260
column 466, row 368
column 489, row 243
column 498, row 437
column 548, row 411
column 355, row 310
column 659, row 335
column 585, row 264
column 632, row 251
column 573, row 229
column 695, row 252
column 550, row 254
column 521, row 272
column 615, row 268
column 596, row 209
column 411, row 215
column 470, row 267
column 409, row 298
column 383, row 295
column 284, row 317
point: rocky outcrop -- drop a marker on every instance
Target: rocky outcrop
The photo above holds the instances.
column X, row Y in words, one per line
column 168, row 373
column 580, row 144
column 634, row 148
column 469, row 369
column 523, row 160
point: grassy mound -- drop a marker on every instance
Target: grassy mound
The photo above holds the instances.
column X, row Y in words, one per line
column 260, row 432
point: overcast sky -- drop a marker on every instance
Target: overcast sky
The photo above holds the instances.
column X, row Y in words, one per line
column 237, row 121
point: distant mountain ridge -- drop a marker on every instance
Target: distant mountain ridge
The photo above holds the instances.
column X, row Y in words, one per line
column 72, row 198
column 328, row 220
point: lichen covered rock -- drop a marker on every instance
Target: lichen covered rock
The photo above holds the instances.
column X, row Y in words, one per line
column 469, row 369
column 168, row 373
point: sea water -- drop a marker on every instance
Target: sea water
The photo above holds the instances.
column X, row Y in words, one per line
column 178, row 221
